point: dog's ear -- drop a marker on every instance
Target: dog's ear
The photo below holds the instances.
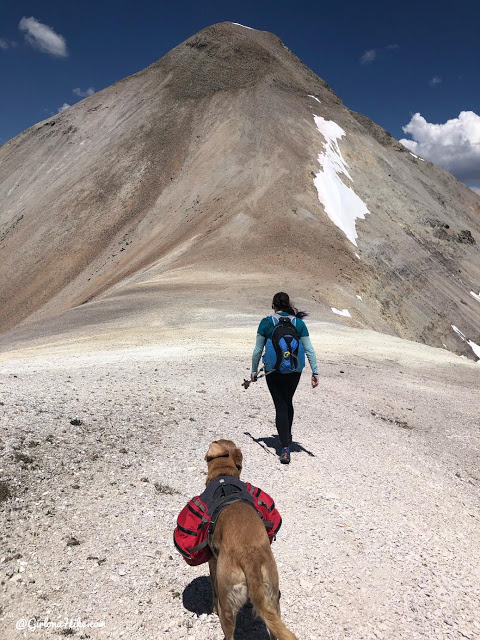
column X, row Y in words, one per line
column 215, row 450
column 238, row 458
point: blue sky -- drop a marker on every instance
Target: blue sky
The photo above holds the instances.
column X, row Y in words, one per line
column 387, row 60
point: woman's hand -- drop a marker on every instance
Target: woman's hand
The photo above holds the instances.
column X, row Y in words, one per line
column 253, row 377
column 314, row 381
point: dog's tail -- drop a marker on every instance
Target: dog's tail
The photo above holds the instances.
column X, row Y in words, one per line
column 265, row 603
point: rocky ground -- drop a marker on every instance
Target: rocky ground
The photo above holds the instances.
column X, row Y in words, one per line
column 101, row 448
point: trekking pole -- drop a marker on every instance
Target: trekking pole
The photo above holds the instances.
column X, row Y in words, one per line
column 246, row 383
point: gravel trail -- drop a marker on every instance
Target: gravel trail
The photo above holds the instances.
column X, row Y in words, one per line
column 100, row 451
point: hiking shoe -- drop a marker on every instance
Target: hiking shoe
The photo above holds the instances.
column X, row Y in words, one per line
column 285, row 456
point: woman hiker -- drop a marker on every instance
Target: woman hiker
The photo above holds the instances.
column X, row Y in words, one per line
column 284, row 359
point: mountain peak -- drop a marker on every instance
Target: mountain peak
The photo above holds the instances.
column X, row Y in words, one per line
column 227, row 56
column 225, row 170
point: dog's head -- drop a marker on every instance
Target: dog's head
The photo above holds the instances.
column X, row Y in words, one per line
column 223, row 458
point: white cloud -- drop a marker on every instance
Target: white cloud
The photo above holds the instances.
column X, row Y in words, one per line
column 476, row 189
column 372, row 54
column 84, row 94
column 64, row 106
column 7, row 44
column 368, row 56
column 454, row 145
column 435, row 80
column 43, row 38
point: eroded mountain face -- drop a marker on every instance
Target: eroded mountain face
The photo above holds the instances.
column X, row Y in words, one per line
column 220, row 174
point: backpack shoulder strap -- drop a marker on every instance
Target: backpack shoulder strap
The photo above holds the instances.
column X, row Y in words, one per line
column 276, row 319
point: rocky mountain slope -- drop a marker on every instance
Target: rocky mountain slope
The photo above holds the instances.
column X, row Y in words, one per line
column 220, row 174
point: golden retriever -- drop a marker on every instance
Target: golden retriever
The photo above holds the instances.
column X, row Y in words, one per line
column 243, row 566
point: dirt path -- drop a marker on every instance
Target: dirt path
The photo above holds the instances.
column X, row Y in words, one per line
column 381, row 534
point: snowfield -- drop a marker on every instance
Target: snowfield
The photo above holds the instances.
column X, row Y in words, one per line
column 342, row 205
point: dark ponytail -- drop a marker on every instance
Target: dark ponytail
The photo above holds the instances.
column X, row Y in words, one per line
column 281, row 301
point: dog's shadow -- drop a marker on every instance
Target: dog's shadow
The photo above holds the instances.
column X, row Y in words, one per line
column 197, row 597
column 273, row 442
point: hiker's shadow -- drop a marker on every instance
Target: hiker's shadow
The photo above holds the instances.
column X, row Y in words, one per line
column 197, row 598
column 273, row 442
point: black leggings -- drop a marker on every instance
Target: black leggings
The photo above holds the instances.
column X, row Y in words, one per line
column 282, row 387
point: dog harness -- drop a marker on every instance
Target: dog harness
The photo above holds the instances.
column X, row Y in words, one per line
column 193, row 535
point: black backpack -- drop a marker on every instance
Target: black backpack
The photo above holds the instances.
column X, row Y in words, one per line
column 286, row 342
column 284, row 351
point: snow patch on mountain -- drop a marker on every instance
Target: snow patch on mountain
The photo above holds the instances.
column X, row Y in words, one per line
column 341, row 312
column 474, row 347
column 341, row 203
column 242, row 25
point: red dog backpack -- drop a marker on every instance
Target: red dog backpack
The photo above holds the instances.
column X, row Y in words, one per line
column 196, row 521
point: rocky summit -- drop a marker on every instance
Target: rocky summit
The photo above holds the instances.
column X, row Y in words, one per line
column 226, row 169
